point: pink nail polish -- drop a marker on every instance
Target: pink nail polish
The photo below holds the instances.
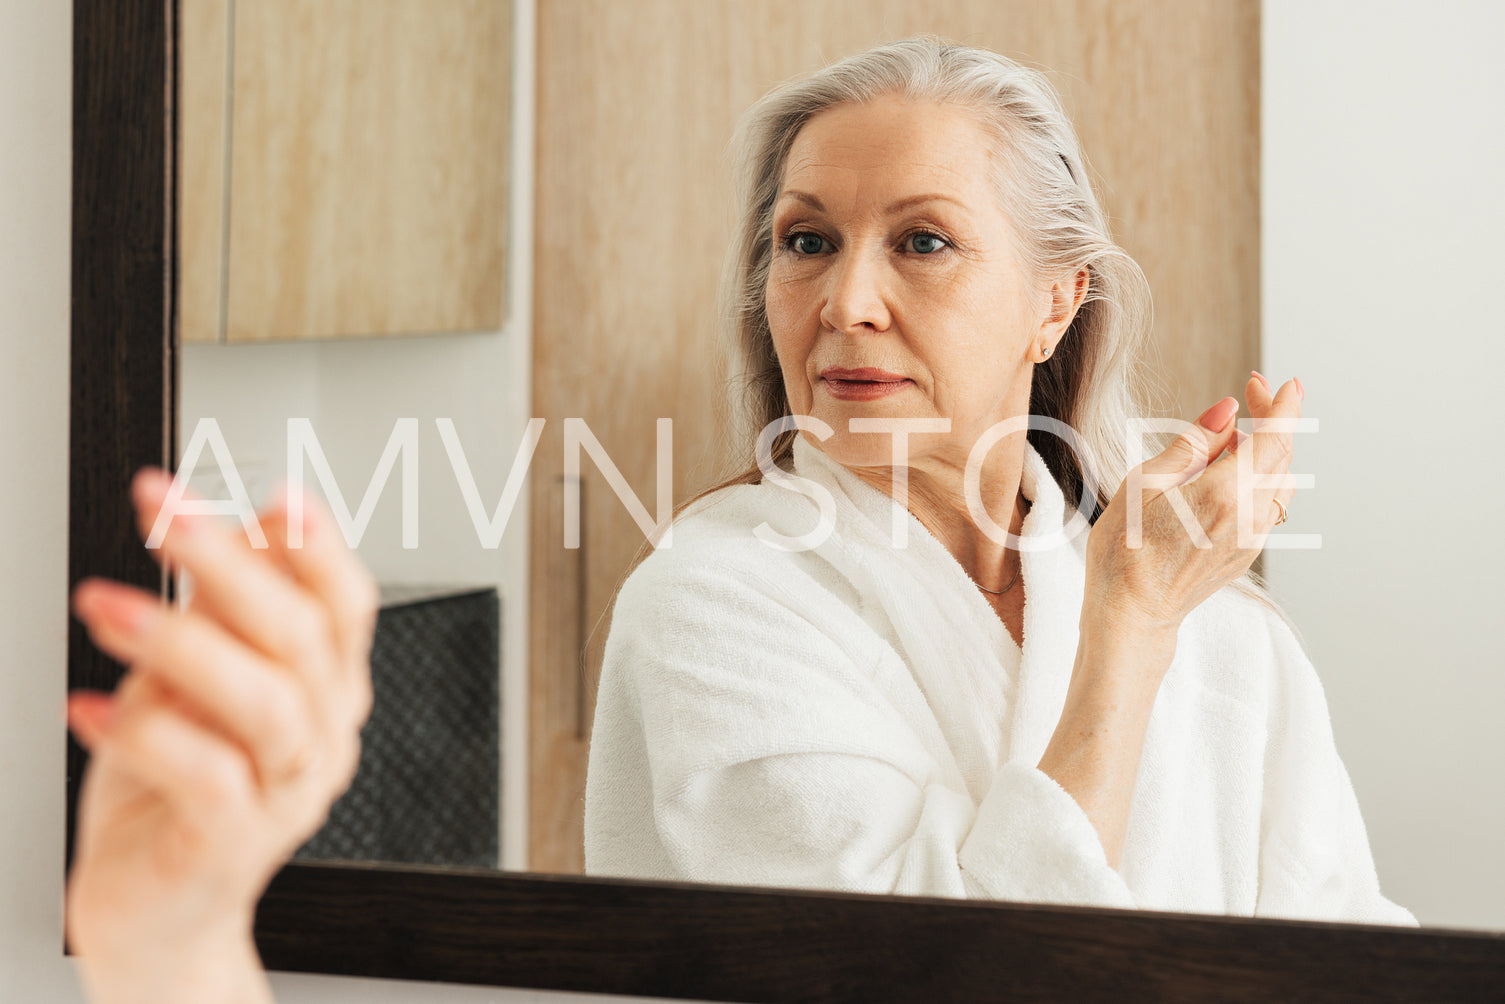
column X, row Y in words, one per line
column 149, row 483
column 1300, row 389
column 122, row 607
column 1216, row 418
column 91, row 712
column 1261, row 377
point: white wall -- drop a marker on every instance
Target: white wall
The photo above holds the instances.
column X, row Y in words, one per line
column 35, row 138
column 35, row 114
column 1383, row 204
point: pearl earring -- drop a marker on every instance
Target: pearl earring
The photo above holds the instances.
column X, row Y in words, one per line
column 1044, row 352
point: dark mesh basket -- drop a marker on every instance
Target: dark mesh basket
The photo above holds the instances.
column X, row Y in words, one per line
column 428, row 787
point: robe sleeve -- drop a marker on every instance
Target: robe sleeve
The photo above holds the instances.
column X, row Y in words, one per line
column 743, row 736
column 1315, row 861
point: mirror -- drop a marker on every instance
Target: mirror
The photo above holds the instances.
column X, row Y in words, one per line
column 293, row 364
column 565, row 933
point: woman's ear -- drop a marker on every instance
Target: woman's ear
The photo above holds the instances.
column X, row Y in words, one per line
column 1066, row 296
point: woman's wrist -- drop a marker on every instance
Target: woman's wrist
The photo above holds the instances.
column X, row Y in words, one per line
column 1095, row 749
column 1117, row 675
column 221, row 968
column 1117, row 637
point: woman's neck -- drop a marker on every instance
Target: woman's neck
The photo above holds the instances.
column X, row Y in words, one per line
column 936, row 496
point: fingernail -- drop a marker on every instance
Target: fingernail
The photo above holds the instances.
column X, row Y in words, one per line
column 1216, row 418
column 91, row 714
column 155, row 499
column 1300, row 389
column 148, row 483
column 122, row 608
column 1261, row 377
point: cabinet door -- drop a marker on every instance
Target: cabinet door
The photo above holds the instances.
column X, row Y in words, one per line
column 344, row 167
column 636, row 103
column 203, row 88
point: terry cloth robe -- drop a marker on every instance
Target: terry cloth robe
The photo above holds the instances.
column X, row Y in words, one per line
column 856, row 717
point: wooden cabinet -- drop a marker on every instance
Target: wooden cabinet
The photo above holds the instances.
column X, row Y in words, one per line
column 636, row 103
column 343, row 167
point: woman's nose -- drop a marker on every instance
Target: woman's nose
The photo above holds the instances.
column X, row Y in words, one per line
column 855, row 299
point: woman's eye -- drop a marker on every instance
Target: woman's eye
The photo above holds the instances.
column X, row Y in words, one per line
column 925, row 243
column 807, row 243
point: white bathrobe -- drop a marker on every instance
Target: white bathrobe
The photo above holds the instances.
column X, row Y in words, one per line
column 856, row 717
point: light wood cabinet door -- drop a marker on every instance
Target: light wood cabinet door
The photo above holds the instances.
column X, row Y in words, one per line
column 344, row 167
column 636, row 103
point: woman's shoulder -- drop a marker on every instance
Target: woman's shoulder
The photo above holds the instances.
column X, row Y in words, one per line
column 1240, row 610
column 731, row 512
column 1240, row 644
column 738, row 524
column 715, row 594
column 719, row 546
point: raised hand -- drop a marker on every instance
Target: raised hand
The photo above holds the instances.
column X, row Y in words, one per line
column 1154, row 577
column 220, row 752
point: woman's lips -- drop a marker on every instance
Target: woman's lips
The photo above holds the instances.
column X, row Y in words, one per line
column 866, row 384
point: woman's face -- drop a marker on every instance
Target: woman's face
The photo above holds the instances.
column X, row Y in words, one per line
column 895, row 289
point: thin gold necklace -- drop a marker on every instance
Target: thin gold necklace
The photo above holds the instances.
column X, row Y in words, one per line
column 1000, row 592
column 1019, row 568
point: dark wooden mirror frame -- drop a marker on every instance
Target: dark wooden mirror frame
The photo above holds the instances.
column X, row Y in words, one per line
column 565, row 933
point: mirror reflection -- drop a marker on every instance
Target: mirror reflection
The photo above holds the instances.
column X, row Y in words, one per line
column 811, row 687
column 897, row 646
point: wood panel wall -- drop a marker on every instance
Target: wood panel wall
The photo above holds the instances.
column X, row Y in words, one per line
column 636, row 104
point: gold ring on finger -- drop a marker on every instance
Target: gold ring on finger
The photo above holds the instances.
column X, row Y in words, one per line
column 1283, row 512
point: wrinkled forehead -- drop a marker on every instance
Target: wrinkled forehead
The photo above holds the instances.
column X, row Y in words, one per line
column 888, row 149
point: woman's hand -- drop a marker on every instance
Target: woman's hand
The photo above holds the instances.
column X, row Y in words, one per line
column 1150, row 580
column 1140, row 586
column 219, row 754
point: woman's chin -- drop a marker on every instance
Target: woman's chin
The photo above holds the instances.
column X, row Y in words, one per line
column 870, row 450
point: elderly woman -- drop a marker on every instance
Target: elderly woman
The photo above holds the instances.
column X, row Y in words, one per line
column 884, row 660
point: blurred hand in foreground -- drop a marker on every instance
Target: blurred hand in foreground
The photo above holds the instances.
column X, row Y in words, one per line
column 235, row 727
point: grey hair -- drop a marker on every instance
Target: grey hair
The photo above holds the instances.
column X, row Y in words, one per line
column 1089, row 383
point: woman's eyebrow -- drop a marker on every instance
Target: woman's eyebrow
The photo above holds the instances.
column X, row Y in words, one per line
column 916, row 200
column 908, row 202
column 804, row 197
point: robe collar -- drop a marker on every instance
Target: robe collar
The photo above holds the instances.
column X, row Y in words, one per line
column 1052, row 570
